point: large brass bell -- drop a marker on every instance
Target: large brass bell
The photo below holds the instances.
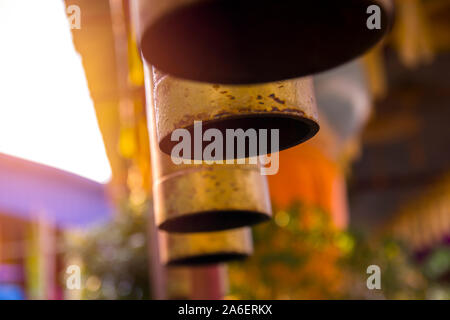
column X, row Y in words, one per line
column 198, row 198
column 205, row 248
column 203, row 197
column 287, row 106
column 253, row 41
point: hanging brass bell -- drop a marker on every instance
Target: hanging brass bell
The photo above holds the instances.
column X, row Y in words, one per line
column 253, row 41
column 204, row 197
column 199, row 198
column 205, row 248
column 287, row 107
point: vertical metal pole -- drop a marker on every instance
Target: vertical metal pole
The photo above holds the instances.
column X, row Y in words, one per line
column 208, row 282
column 120, row 31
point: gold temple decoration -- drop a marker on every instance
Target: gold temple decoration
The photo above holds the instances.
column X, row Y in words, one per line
column 254, row 41
column 411, row 34
column 206, row 247
column 424, row 222
column 376, row 72
column 288, row 106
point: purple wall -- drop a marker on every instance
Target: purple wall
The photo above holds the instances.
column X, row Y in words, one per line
column 68, row 200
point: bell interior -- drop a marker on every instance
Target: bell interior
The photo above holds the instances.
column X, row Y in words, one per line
column 254, row 41
column 207, row 259
column 292, row 131
column 208, row 221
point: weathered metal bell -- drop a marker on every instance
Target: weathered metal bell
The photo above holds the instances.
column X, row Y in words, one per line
column 288, row 106
column 253, row 41
column 202, row 197
column 206, row 247
column 199, row 198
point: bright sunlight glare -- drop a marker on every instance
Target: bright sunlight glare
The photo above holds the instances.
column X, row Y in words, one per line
column 46, row 113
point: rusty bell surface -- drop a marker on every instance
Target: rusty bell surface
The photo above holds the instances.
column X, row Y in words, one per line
column 206, row 247
column 199, row 198
column 254, row 41
column 287, row 106
column 202, row 197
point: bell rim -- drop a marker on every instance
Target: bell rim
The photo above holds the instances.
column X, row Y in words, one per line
column 213, row 220
column 207, row 259
column 310, row 123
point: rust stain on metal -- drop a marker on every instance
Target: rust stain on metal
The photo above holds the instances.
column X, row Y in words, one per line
column 188, row 119
column 276, row 99
column 283, row 105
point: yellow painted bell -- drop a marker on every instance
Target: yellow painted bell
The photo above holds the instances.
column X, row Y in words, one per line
column 287, row 107
column 206, row 247
column 254, row 41
column 204, row 197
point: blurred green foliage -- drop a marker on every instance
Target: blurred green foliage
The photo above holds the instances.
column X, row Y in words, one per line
column 300, row 255
column 115, row 257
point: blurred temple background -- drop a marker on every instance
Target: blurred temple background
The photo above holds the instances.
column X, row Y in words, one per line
column 371, row 188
